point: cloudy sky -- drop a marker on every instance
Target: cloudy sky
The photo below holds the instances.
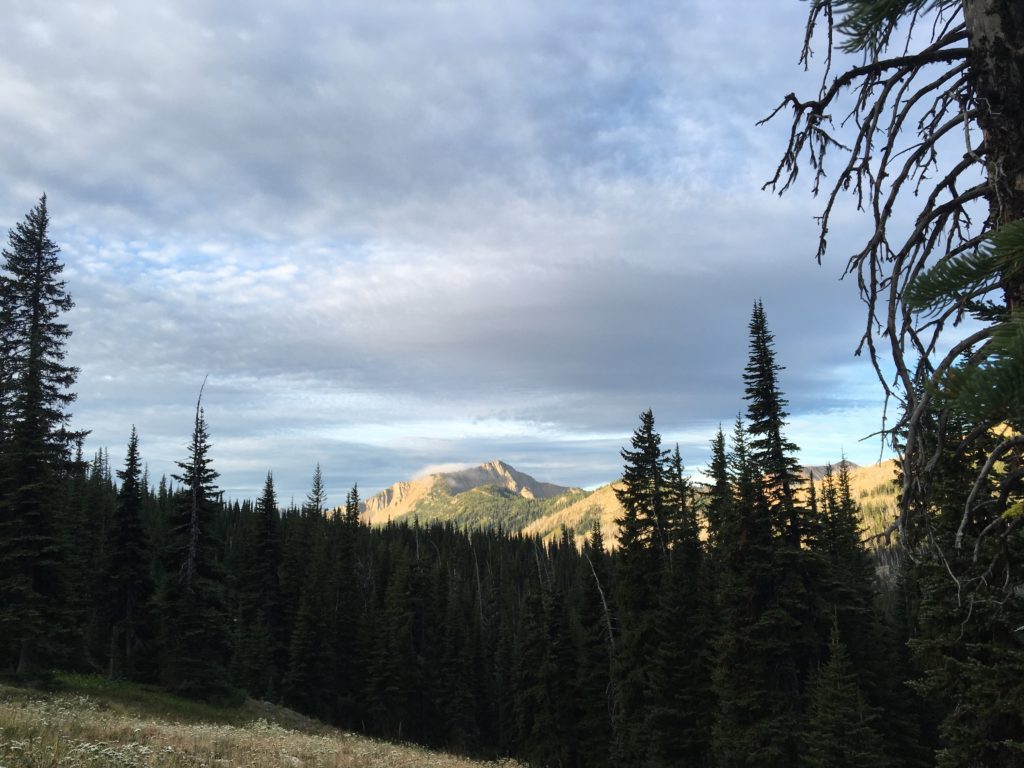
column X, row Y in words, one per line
column 408, row 234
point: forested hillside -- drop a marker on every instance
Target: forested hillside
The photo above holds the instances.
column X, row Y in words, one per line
column 745, row 619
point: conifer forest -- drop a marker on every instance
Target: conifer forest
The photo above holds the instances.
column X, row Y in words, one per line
column 742, row 619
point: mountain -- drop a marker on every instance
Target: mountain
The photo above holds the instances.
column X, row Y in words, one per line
column 600, row 505
column 874, row 489
column 486, row 496
column 495, row 494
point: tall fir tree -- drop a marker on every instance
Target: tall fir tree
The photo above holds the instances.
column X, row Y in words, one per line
column 35, row 442
column 842, row 729
column 967, row 634
column 128, row 578
column 259, row 649
column 792, row 623
column 594, row 652
column 755, row 717
column 719, row 498
column 678, row 716
column 643, row 551
column 195, row 640
column 773, row 456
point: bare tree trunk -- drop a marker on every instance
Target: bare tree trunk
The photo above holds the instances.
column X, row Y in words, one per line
column 995, row 32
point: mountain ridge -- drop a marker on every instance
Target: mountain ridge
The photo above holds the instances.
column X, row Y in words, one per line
column 495, row 494
column 407, row 497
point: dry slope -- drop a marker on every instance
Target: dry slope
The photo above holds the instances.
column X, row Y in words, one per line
column 121, row 725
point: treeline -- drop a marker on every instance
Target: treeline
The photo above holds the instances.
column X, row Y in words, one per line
column 736, row 624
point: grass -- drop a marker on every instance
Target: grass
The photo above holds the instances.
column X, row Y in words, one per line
column 91, row 721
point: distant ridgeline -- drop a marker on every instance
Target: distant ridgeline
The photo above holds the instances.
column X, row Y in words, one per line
column 495, row 495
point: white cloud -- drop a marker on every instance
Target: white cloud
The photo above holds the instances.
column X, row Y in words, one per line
column 407, row 234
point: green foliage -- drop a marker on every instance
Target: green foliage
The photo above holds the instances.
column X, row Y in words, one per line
column 149, row 700
column 595, row 649
column 35, row 445
column 956, row 280
column 195, row 640
column 127, row 571
column 867, row 24
column 772, row 456
column 990, row 386
column 993, row 389
column 678, row 718
column 842, row 729
column 259, row 647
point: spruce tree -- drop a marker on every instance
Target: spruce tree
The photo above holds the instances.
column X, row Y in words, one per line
column 642, row 494
column 260, row 650
column 544, row 676
column 594, row 652
column 755, row 719
column 350, row 542
column 679, row 708
column 773, row 456
column 966, row 642
column 719, row 499
column 35, row 442
column 794, row 617
column 352, row 506
column 195, row 642
column 392, row 663
column 643, row 552
column 129, row 583
column 309, row 682
column 842, row 728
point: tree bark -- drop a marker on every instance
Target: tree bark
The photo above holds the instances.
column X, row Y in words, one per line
column 995, row 31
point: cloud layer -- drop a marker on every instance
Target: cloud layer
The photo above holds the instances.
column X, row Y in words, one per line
column 406, row 234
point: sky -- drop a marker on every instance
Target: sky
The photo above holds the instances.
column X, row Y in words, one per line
column 402, row 236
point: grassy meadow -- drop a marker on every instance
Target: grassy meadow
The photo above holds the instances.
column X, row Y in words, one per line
column 89, row 721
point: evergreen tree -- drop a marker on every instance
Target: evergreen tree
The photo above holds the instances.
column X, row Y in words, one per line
column 544, row 675
column 794, row 619
column 128, row 571
column 642, row 494
column 594, row 653
column 679, row 710
column 643, row 552
column 352, row 506
column 351, row 539
column 35, row 442
column 457, row 694
column 966, row 642
column 310, row 672
column 392, row 663
column 195, row 642
column 297, row 531
column 316, row 499
column 755, row 719
column 719, row 500
column 260, row 651
column 842, row 728
column 88, row 546
column 773, row 456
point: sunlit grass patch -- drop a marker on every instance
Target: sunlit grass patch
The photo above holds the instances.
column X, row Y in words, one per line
column 98, row 723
